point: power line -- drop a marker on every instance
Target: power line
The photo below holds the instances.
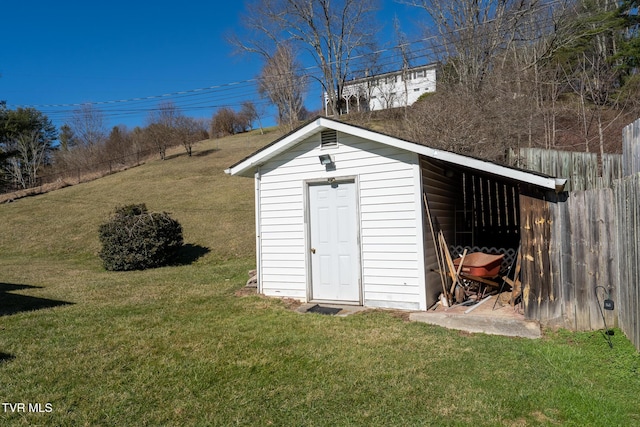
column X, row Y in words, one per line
column 233, row 93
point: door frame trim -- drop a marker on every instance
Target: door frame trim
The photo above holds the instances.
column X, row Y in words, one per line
column 307, row 232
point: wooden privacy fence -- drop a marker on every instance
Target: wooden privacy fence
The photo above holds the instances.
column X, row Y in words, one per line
column 569, row 249
column 631, row 148
column 627, row 202
column 585, row 246
column 627, row 191
column 581, row 169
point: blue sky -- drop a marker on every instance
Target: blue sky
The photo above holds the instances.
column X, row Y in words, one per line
column 129, row 56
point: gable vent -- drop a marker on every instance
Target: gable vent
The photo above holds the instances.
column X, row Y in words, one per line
column 328, row 138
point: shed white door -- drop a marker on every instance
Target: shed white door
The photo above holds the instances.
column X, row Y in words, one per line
column 335, row 252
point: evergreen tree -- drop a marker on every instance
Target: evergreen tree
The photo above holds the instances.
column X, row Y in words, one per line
column 16, row 127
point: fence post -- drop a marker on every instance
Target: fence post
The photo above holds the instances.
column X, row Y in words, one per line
column 631, row 148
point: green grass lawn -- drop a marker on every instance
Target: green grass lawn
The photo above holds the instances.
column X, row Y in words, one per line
column 176, row 345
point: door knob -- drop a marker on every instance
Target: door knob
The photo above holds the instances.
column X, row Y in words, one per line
column 313, row 250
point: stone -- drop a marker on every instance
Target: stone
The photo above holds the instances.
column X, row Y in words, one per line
column 253, row 279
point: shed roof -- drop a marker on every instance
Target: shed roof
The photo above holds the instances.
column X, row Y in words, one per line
column 247, row 166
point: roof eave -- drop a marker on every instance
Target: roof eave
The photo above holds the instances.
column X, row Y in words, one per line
column 549, row 183
column 247, row 166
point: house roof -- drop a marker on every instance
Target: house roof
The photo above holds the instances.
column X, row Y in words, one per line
column 247, row 166
column 391, row 73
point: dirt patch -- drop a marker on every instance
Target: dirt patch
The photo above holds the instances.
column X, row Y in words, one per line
column 246, row 291
column 398, row 314
column 290, row 303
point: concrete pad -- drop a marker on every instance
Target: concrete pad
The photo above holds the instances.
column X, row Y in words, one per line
column 486, row 324
column 487, row 319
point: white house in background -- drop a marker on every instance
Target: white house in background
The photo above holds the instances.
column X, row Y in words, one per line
column 340, row 215
column 389, row 90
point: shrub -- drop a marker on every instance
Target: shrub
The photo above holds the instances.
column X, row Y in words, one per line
column 134, row 239
column 228, row 122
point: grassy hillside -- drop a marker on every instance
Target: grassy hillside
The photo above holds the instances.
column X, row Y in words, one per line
column 212, row 206
column 176, row 346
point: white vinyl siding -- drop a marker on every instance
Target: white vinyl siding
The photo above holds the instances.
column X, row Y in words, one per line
column 389, row 233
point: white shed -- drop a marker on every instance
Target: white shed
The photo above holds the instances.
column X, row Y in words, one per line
column 340, row 215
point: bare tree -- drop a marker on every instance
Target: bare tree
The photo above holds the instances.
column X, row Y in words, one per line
column 119, row 144
column 386, row 91
column 189, row 131
column 224, row 122
column 166, row 114
column 249, row 113
column 406, row 55
column 88, row 126
column 281, row 82
column 157, row 136
column 333, row 32
column 530, row 75
column 66, row 137
column 140, row 142
column 162, row 125
column 29, row 157
column 595, row 76
column 472, row 35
